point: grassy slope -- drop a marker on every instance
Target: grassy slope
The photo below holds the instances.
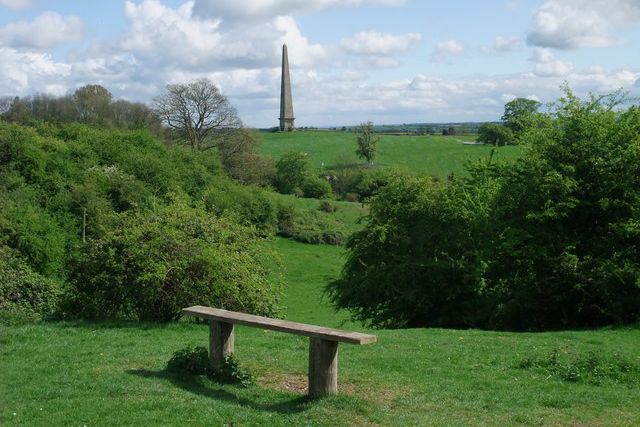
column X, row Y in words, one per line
column 112, row 374
column 436, row 155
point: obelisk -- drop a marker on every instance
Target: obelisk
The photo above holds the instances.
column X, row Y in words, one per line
column 286, row 105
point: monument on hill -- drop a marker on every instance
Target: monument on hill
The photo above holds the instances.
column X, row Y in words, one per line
column 286, row 105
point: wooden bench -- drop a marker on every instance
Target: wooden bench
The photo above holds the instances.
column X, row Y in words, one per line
column 323, row 342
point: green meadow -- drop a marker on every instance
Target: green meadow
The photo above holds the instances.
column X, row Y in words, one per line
column 428, row 154
column 114, row 373
column 82, row 373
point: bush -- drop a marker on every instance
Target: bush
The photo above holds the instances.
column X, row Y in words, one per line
column 307, row 226
column 248, row 205
column 151, row 266
column 552, row 241
column 25, row 296
column 195, row 361
column 326, row 206
column 419, row 261
column 316, row 188
column 292, row 170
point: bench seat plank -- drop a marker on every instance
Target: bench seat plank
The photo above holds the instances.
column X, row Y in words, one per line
column 328, row 334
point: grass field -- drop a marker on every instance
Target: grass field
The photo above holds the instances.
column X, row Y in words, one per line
column 432, row 154
column 75, row 374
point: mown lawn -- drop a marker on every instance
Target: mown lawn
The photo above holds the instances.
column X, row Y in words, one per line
column 430, row 154
column 113, row 373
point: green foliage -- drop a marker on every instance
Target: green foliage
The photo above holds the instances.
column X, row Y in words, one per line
column 25, row 296
column 367, row 142
column 248, row 205
column 195, row 361
column 151, row 266
column 590, row 367
column 307, row 226
column 292, row 170
column 239, row 154
column 551, row 241
column 419, row 261
column 294, row 175
column 518, row 112
column 495, row 134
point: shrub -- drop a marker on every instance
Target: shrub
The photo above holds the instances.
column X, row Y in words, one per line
column 307, row 226
column 552, row 241
column 195, row 361
column 327, row 206
column 153, row 265
column 419, row 261
column 25, row 296
column 316, row 188
column 292, row 170
column 248, row 205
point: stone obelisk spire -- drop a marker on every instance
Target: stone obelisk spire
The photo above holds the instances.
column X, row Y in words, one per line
column 286, row 105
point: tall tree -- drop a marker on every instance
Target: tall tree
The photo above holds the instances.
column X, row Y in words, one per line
column 198, row 112
column 367, row 142
column 517, row 111
column 92, row 103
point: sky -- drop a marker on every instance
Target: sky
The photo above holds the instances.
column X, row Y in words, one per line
column 388, row 61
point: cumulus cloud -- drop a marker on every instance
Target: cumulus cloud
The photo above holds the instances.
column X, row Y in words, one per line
column 27, row 72
column 175, row 37
column 372, row 42
column 243, row 10
column 571, row 24
column 16, row 4
column 546, row 64
column 503, row 44
column 45, row 31
column 446, row 49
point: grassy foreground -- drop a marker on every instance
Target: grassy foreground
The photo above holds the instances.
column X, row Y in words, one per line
column 113, row 373
column 429, row 154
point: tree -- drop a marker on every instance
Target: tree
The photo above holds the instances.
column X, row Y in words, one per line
column 517, row 111
column 495, row 134
column 367, row 142
column 197, row 112
column 92, row 103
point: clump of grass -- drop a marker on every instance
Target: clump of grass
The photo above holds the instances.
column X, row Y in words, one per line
column 195, row 361
column 589, row 367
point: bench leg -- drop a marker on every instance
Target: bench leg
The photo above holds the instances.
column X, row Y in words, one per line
column 220, row 342
column 323, row 367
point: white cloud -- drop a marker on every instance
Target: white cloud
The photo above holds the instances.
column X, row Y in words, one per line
column 16, row 4
column 244, row 10
column 571, row 24
column 446, row 49
column 27, row 72
column 372, row 42
column 47, row 30
column 503, row 44
column 166, row 37
column 548, row 66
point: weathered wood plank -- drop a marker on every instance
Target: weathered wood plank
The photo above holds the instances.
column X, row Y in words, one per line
column 221, row 340
column 323, row 367
column 313, row 331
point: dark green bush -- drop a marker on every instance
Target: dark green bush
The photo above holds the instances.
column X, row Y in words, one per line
column 153, row 265
column 25, row 296
column 316, row 188
column 419, row 261
column 552, row 241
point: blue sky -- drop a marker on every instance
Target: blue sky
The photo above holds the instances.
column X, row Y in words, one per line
column 389, row 61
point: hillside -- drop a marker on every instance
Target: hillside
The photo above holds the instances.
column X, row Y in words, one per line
column 114, row 373
column 426, row 154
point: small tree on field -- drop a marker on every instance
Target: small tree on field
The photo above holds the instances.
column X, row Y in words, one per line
column 367, row 142
column 197, row 111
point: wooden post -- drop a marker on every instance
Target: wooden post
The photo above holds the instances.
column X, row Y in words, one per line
column 221, row 339
column 323, row 367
